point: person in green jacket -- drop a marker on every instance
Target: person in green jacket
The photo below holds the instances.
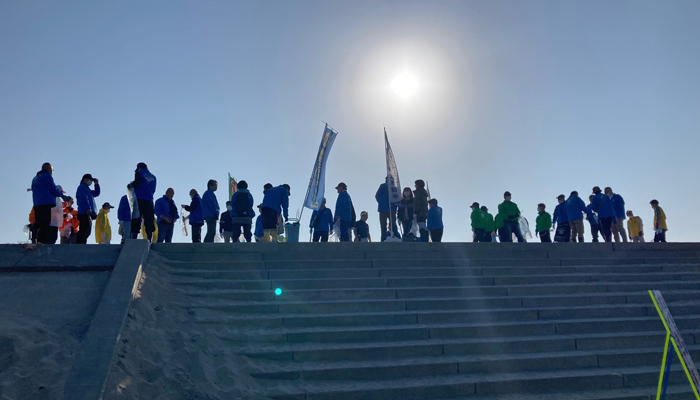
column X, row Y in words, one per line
column 489, row 225
column 510, row 213
column 477, row 219
column 543, row 224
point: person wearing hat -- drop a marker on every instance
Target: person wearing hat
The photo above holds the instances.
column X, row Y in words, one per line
column 660, row 226
column 166, row 214
column 321, row 223
column 275, row 203
column 575, row 209
column 477, row 222
column 144, row 186
column 489, row 225
column 543, row 224
column 509, row 213
column 44, row 194
column 560, row 220
column 603, row 205
column 362, row 229
column 343, row 211
column 87, row 209
column 103, row 231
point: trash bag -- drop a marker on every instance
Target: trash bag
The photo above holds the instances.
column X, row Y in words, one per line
column 335, row 235
column 57, row 213
column 414, row 227
column 133, row 204
column 524, row 228
column 184, row 219
column 26, row 230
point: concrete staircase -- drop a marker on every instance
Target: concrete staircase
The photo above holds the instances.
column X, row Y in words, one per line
column 445, row 321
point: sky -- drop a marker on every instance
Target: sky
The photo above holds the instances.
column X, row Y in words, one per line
column 535, row 97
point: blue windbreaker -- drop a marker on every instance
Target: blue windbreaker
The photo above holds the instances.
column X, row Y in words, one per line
column 343, row 206
column 238, row 213
column 85, row 198
column 164, row 206
column 435, row 218
column 210, row 205
column 277, row 198
column 603, row 206
column 575, row 207
column 124, row 209
column 44, row 190
column 144, row 184
column 619, row 206
column 195, row 209
column 325, row 220
column 259, row 231
column 590, row 215
column 560, row 216
column 382, row 197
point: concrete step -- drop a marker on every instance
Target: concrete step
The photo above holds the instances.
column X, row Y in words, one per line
column 450, row 386
column 677, row 391
column 430, row 366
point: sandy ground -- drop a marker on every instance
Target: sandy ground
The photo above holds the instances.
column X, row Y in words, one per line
column 34, row 359
column 163, row 355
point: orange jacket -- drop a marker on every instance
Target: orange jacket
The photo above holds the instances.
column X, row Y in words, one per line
column 31, row 217
column 68, row 222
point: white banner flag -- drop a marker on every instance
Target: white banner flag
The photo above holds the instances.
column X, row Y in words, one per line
column 392, row 173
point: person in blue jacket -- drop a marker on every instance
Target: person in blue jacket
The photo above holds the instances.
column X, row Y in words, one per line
column 592, row 218
column 618, row 226
column 387, row 211
column 275, row 203
column 226, row 224
column 196, row 220
column 144, row 186
column 259, row 231
column 210, row 210
column 242, row 212
column 321, row 223
column 561, row 219
column 343, row 211
column 435, row 225
column 603, row 205
column 87, row 209
column 44, row 194
column 124, row 216
column 575, row 208
column 166, row 214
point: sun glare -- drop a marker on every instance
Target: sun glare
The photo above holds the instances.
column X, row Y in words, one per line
column 405, row 84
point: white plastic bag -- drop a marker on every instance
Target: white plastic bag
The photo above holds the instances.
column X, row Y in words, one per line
column 414, row 227
column 133, row 204
column 57, row 213
column 524, row 228
column 184, row 219
column 335, row 235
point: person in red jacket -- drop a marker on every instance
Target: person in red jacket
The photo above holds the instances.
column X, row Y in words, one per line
column 71, row 225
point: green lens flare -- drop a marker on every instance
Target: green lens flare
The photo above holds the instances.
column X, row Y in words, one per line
column 278, row 291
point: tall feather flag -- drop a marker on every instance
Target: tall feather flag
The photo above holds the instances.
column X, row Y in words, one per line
column 317, row 183
column 232, row 186
column 392, row 173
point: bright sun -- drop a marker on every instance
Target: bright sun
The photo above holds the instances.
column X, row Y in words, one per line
column 405, row 84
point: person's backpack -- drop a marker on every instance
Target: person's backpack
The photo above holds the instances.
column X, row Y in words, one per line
column 242, row 205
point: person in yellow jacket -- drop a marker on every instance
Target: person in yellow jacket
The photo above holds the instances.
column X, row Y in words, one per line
column 635, row 227
column 155, row 233
column 103, row 230
column 660, row 227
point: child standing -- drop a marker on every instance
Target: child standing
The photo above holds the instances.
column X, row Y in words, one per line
column 435, row 225
column 543, row 224
column 103, row 231
column 362, row 229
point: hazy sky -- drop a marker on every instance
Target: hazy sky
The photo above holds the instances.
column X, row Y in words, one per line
column 535, row 97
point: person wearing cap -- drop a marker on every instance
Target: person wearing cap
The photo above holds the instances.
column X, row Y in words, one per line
column 477, row 222
column 242, row 212
column 196, row 220
column 103, row 230
column 210, row 210
column 592, row 218
column 275, row 203
column 166, row 214
column 362, row 229
column 618, row 226
column 575, row 209
column 44, row 194
column 602, row 204
column 560, row 219
column 70, row 227
column 489, row 225
column 87, row 209
column 420, row 209
column 343, row 211
column 387, row 210
column 510, row 212
column 543, row 224
column 124, row 213
column 321, row 223
column 660, row 226
column 435, row 225
column 635, row 227
column 144, row 185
